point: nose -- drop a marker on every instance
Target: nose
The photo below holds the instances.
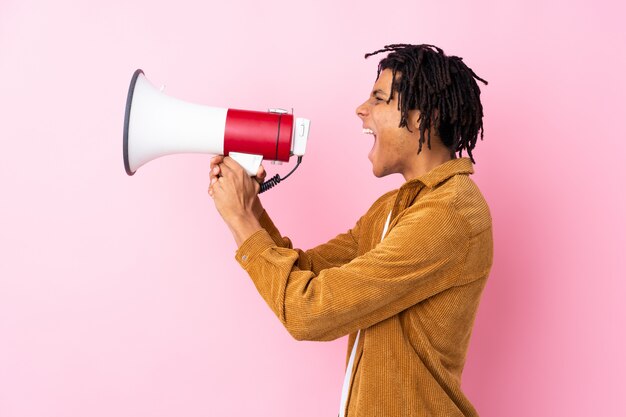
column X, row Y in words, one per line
column 362, row 110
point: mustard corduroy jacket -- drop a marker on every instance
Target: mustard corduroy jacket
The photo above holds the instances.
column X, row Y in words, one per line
column 413, row 295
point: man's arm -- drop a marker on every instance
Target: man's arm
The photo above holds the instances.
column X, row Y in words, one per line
column 336, row 252
column 420, row 257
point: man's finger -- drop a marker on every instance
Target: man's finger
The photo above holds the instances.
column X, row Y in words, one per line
column 216, row 160
column 225, row 168
column 260, row 174
column 232, row 164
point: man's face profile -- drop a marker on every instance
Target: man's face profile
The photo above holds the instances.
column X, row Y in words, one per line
column 395, row 148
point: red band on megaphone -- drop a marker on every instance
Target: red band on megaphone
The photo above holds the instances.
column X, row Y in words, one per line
column 259, row 133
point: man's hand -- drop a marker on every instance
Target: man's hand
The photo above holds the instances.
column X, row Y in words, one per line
column 235, row 194
column 257, row 207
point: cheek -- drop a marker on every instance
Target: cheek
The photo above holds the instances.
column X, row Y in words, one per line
column 381, row 125
column 385, row 119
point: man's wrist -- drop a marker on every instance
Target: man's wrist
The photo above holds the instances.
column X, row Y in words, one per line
column 243, row 226
column 257, row 208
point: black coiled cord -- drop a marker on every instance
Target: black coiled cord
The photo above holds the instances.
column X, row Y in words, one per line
column 276, row 179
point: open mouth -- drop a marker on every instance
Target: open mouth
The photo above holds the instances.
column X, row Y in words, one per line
column 367, row 131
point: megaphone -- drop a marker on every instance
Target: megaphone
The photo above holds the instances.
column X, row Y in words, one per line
column 156, row 125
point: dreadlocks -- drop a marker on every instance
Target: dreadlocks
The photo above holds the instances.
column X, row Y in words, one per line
column 442, row 88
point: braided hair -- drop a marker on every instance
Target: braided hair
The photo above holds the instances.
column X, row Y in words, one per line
column 427, row 80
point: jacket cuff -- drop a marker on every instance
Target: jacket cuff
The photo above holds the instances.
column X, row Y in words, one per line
column 249, row 250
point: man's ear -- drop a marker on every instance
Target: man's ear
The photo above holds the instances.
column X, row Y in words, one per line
column 414, row 120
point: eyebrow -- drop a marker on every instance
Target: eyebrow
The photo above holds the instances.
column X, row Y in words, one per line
column 378, row 91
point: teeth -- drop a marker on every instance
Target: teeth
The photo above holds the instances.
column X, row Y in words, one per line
column 368, row 131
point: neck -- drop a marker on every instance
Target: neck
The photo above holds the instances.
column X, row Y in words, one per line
column 426, row 161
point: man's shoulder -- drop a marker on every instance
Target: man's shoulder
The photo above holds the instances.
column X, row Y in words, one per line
column 461, row 194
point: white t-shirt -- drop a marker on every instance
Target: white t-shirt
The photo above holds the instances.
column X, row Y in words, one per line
column 346, row 379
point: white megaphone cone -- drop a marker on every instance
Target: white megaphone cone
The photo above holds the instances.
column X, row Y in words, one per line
column 156, row 125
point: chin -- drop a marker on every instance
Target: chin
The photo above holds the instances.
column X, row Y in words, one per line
column 378, row 173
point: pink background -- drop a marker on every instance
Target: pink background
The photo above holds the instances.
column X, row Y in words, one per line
column 120, row 296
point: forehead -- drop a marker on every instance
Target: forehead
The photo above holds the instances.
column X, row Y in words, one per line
column 384, row 81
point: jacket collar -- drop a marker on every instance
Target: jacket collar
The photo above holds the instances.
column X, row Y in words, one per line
column 442, row 172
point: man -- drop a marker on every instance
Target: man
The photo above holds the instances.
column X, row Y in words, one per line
column 406, row 280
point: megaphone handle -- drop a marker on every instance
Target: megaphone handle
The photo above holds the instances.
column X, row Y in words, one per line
column 249, row 162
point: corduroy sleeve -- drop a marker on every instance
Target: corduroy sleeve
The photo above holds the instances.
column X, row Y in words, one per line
column 267, row 223
column 336, row 252
column 421, row 255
